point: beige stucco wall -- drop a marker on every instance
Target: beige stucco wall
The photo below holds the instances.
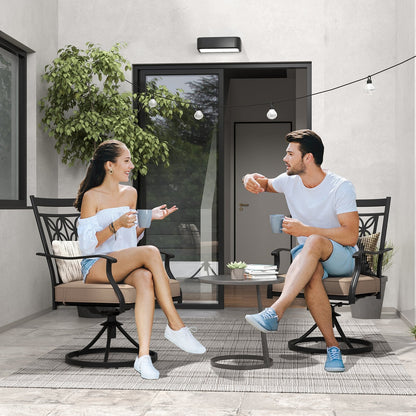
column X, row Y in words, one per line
column 369, row 139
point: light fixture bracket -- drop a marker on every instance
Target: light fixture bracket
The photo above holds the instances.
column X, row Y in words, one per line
column 219, row 44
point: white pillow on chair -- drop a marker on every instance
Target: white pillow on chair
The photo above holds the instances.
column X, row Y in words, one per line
column 69, row 270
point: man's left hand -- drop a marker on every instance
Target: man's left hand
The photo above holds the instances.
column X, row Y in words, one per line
column 294, row 227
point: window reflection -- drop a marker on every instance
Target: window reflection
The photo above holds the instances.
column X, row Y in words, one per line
column 9, row 156
column 190, row 182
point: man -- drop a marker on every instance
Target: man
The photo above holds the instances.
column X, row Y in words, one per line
column 324, row 219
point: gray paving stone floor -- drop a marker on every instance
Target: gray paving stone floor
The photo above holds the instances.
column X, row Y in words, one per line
column 22, row 344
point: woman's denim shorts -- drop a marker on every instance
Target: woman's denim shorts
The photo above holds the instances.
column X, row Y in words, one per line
column 86, row 265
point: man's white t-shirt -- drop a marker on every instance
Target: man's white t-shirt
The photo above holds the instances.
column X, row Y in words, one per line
column 318, row 206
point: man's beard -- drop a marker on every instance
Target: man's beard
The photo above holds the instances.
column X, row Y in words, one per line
column 293, row 171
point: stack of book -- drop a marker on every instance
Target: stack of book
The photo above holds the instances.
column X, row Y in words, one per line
column 261, row 271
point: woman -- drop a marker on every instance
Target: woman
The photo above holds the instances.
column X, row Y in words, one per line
column 107, row 225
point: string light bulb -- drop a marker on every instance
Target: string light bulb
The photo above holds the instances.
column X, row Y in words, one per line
column 272, row 113
column 369, row 85
column 152, row 103
column 198, row 115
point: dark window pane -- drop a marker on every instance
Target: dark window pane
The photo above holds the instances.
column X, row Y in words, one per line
column 190, row 181
column 9, row 125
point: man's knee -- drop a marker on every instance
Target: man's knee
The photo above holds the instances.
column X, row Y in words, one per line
column 319, row 246
column 316, row 240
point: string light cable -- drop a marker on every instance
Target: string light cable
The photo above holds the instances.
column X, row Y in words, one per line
column 271, row 113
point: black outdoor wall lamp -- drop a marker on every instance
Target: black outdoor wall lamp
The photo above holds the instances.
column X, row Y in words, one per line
column 219, row 44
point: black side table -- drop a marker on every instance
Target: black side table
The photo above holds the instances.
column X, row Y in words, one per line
column 266, row 361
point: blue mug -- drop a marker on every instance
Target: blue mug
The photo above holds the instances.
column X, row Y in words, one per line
column 276, row 221
column 144, row 218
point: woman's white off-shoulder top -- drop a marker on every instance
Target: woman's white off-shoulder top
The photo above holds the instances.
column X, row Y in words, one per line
column 88, row 227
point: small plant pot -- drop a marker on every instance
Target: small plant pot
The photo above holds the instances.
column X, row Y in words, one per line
column 237, row 274
column 369, row 307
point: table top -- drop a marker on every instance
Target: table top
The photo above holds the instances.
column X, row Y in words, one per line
column 225, row 279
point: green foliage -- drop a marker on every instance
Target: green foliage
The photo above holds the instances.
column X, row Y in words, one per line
column 413, row 330
column 182, row 184
column 84, row 106
column 387, row 258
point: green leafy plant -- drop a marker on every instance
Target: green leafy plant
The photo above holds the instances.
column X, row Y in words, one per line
column 237, row 265
column 413, row 331
column 387, row 258
column 85, row 105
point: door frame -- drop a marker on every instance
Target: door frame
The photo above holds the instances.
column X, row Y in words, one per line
column 139, row 76
column 226, row 71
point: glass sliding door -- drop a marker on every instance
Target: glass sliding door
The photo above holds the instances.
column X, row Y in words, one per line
column 190, row 182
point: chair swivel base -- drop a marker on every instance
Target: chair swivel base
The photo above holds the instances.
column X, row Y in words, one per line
column 265, row 362
column 71, row 357
column 350, row 349
column 109, row 327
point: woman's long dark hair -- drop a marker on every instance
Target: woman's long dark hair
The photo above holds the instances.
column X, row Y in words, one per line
column 106, row 151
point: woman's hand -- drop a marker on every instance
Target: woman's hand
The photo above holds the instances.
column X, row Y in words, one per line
column 161, row 212
column 127, row 220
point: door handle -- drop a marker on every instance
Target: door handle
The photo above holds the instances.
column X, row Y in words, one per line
column 244, row 205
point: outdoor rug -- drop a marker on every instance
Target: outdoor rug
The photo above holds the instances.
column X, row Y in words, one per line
column 379, row 372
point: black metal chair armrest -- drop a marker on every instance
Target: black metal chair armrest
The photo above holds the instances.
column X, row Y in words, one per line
column 113, row 283
column 168, row 257
column 112, row 259
column 276, row 254
column 380, row 253
column 358, row 257
column 109, row 261
column 355, row 276
column 278, row 250
column 362, row 252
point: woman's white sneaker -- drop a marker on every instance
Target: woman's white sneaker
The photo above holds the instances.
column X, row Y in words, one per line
column 144, row 366
column 184, row 340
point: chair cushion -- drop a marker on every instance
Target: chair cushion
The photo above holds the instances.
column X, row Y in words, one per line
column 340, row 286
column 69, row 270
column 368, row 243
column 80, row 292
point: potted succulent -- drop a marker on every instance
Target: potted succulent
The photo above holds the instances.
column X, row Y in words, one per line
column 237, row 269
column 413, row 331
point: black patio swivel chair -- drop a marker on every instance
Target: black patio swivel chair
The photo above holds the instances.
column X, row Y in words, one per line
column 57, row 224
column 364, row 282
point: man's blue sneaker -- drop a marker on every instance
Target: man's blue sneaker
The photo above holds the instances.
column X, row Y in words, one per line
column 334, row 360
column 265, row 321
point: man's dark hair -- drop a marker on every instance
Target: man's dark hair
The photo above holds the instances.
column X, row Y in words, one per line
column 309, row 142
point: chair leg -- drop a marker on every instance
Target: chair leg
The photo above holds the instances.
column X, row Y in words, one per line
column 361, row 345
column 110, row 326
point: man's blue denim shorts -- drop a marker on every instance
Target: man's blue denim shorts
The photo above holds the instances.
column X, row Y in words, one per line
column 86, row 265
column 340, row 262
